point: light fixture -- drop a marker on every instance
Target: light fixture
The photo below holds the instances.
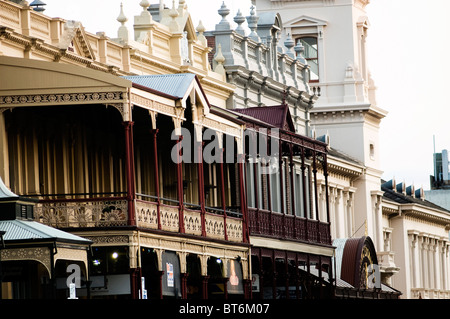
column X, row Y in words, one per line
column 218, row 260
column 115, row 255
column 96, row 262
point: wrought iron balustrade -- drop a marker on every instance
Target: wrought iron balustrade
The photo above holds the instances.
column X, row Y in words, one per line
column 214, row 223
column 288, row 227
column 89, row 212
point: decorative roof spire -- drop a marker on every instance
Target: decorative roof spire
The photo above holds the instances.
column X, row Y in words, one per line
column 144, row 4
column 220, row 59
column 239, row 19
column 174, row 27
column 299, row 49
column 252, row 21
column 289, row 44
column 123, row 31
column 182, row 4
column 201, row 29
column 223, row 24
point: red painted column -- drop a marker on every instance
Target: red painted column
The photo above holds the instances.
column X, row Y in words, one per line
column 180, row 185
column 156, row 168
column 129, row 150
column 201, row 187
column 291, row 176
column 184, row 285
column 305, row 203
column 160, row 275
column 205, row 280
column 222, row 192
column 316, row 196
column 325, row 173
column 245, row 231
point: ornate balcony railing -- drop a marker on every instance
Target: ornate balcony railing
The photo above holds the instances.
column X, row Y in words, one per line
column 288, row 227
column 113, row 211
column 93, row 212
column 214, row 227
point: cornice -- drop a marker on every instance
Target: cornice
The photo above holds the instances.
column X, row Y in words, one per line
column 37, row 46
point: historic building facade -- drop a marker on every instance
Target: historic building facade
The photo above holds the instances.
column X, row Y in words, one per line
column 110, row 138
column 275, row 85
column 98, row 147
column 334, row 35
column 423, row 243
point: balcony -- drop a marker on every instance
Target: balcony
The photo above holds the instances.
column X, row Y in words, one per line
column 287, row 227
column 214, row 224
column 113, row 212
column 78, row 213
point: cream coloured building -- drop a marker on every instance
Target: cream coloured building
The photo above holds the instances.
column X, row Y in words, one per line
column 334, row 34
column 86, row 123
column 88, row 126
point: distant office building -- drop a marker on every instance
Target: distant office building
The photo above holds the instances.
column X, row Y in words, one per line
column 441, row 178
column 440, row 181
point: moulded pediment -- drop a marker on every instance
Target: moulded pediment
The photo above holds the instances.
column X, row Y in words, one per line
column 305, row 21
column 74, row 39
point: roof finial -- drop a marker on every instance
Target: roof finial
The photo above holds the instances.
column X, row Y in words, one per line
column 220, row 59
column 252, row 21
column 174, row 27
column 239, row 19
column 299, row 49
column 144, row 4
column 289, row 44
column 223, row 24
column 123, row 31
column 201, row 29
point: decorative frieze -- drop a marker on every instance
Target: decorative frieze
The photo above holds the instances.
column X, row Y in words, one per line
column 62, row 98
column 83, row 214
column 40, row 254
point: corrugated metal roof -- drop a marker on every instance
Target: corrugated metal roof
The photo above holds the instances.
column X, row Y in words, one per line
column 26, row 230
column 175, row 85
column 5, row 192
column 277, row 116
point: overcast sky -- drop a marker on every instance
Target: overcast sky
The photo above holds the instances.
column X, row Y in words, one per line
column 408, row 55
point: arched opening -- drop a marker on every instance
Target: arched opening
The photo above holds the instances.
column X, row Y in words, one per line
column 26, row 279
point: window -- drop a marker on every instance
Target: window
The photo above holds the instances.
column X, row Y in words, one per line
column 311, row 55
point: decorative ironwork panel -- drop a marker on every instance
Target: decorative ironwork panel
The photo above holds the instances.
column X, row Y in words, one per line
column 312, row 227
column 192, row 222
column 147, row 214
column 169, row 218
column 214, row 226
column 86, row 213
column 277, row 225
column 234, row 229
column 288, row 227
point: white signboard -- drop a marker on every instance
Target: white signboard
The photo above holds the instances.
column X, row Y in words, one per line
column 170, row 278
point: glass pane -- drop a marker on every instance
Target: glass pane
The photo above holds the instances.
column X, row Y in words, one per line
column 310, row 45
